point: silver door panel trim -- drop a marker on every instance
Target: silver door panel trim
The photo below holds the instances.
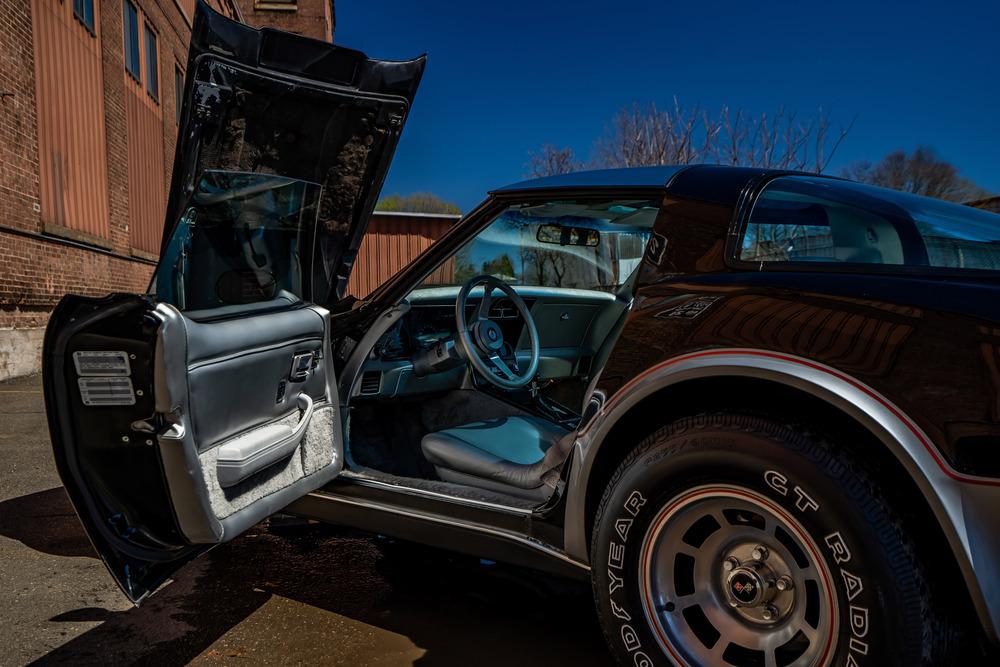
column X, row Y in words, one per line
column 178, row 451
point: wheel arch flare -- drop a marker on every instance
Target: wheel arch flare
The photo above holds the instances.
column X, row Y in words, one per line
column 960, row 503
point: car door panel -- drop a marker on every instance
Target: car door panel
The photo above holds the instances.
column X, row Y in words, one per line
column 199, row 394
column 206, row 365
column 248, row 356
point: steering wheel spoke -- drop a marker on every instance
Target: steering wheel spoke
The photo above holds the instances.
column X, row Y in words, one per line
column 483, row 311
column 502, row 366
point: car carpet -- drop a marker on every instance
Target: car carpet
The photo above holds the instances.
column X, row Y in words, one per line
column 314, row 453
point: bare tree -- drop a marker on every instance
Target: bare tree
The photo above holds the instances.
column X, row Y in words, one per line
column 642, row 136
column 646, row 135
column 551, row 161
column 921, row 172
column 774, row 141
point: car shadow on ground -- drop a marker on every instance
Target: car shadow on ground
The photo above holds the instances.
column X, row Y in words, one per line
column 454, row 609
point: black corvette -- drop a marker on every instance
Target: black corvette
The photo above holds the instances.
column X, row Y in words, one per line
column 759, row 410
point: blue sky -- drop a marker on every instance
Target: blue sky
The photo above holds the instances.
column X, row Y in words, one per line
column 504, row 78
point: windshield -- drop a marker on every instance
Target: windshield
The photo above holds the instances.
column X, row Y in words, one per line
column 579, row 244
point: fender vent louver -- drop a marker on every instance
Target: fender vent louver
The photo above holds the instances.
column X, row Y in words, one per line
column 371, row 383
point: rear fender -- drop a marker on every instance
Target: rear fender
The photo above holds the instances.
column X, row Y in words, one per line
column 961, row 503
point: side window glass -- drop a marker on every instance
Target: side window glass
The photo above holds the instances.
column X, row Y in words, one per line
column 243, row 243
column 798, row 219
column 790, row 224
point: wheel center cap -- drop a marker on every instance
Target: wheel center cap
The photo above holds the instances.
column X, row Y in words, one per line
column 745, row 587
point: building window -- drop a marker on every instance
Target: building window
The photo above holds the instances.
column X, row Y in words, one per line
column 178, row 91
column 152, row 64
column 83, row 10
column 132, row 40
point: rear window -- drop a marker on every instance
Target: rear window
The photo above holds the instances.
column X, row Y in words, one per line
column 802, row 219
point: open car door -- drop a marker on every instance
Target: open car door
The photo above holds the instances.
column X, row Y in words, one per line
column 182, row 417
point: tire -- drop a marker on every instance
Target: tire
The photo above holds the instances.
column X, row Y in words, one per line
column 677, row 579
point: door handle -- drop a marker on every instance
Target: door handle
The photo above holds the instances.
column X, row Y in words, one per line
column 302, row 366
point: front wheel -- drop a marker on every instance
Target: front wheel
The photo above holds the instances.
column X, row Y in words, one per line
column 726, row 539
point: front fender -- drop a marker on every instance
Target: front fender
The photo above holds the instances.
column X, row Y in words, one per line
column 964, row 505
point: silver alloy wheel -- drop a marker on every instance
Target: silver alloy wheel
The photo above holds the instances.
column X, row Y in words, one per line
column 730, row 577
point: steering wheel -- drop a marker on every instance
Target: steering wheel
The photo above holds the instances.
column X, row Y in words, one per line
column 480, row 339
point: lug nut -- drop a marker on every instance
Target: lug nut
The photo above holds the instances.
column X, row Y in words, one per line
column 730, row 564
column 759, row 553
column 770, row 612
column 784, row 583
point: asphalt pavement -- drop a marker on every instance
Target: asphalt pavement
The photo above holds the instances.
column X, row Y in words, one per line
column 308, row 594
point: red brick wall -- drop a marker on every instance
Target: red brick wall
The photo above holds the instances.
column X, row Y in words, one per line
column 36, row 274
column 18, row 162
column 18, row 122
column 36, row 270
column 312, row 18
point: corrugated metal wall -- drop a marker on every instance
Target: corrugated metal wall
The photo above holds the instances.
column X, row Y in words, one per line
column 73, row 175
column 393, row 241
column 146, row 179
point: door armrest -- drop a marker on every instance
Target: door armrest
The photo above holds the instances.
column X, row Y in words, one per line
column 251, row 452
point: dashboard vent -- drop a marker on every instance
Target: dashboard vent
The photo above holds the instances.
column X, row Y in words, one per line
column 371, row 383
column 503, row 310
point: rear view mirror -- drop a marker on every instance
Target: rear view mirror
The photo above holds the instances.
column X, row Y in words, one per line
column 560, row 235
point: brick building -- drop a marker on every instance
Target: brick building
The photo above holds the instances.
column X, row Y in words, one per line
column 88, row 122
column 312, row 18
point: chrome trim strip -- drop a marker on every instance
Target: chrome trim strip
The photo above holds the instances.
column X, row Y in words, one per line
column 354, row 478
column 488, row 530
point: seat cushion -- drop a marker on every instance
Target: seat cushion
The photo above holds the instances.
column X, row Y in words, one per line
column 508, row 450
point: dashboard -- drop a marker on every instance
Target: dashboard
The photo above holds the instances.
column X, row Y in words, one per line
column 426, row 324
column 572, row 323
